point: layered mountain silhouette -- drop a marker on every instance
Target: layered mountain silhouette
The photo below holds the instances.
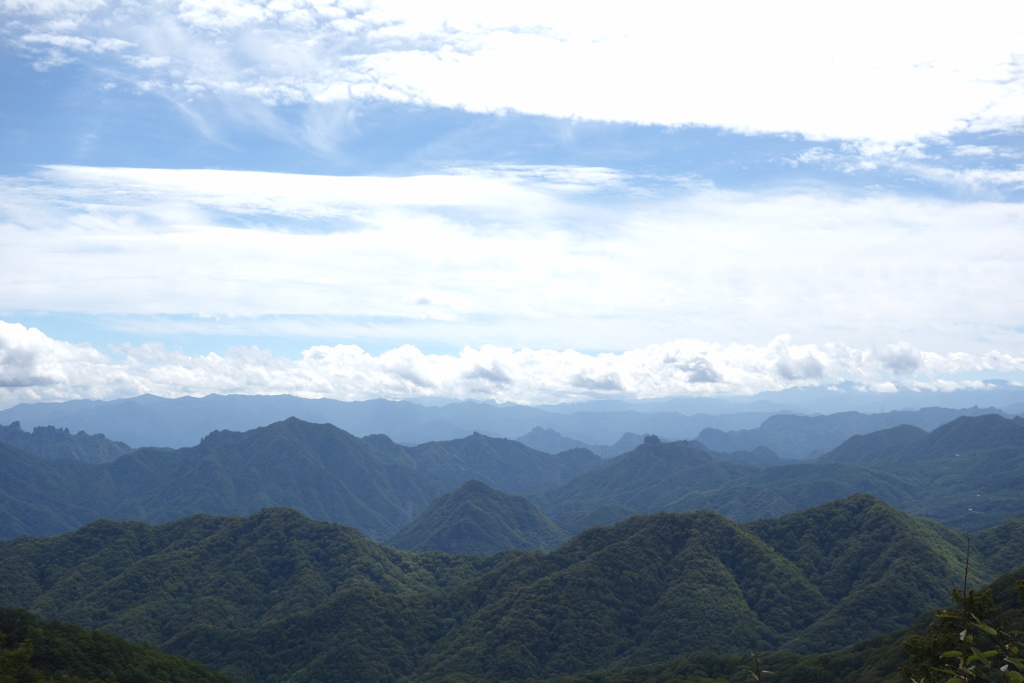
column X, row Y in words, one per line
column 372, row 483
column 934, row 474
column 478, row 519
column 277, row 596
column 379, row 486
column 957, row 437
column 802, row 437
column 723, row 426
column 550, row 441
column 182, row 422
column 59, row 443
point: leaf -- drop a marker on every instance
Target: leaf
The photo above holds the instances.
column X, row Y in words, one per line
column 982, row 656
column 986, row 628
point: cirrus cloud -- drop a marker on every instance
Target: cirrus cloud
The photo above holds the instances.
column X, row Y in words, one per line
column 899, row 72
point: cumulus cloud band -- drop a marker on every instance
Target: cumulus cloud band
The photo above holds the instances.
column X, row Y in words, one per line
column 35, row 367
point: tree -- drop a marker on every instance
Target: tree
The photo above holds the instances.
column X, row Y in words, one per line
column 968, row 643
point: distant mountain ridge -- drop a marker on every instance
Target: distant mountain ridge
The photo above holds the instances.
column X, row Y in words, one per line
column 802, row 437
column 181, row 422
column 904, row 443
column 550, row 441
column 58, row 443
column 371, row 483
column 938, row 476
column 154, row 421
column 379, row 486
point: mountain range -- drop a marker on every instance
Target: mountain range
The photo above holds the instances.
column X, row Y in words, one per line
column 379, row 486
column 484, row 558
column 277, row 596
column 154, row 421
column 370, row 483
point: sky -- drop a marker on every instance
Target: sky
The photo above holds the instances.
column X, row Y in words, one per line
column 535, row 202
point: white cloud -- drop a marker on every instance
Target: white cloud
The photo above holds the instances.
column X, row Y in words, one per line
column 34, row 367
column 974, row 179
column 890, row 72
column 520, row 257
column 973, row 150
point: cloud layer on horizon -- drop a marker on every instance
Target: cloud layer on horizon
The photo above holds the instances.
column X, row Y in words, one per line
column 35, row 367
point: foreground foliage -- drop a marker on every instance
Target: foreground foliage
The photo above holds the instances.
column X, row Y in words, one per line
column 970, row 642
column 36, row 651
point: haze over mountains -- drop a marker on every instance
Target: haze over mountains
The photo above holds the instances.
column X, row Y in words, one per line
column 965, row 473
column 154, row 421
column 259, row 552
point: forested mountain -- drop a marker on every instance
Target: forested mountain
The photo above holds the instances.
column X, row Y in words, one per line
column 962, row 435
column 503, row 463
column 647, row 479
column 371, row 483
column 277, row 596
column 37, row 651
column 379, row 486
column 940, row 475
column 874, row 446
column 802, row 437
column 59, row 443
column 478, row 519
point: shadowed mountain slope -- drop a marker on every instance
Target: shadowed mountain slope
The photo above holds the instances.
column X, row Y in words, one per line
column 372, row 483
column 940, row 475
column 478, row 519
column 645, row 480
column 803, row 437
column 502, row 463
column 878, row 445
column 37, row 651
column 56, row 444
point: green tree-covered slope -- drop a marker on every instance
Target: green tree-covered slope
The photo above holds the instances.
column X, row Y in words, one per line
column 37, row 651
column 478, row 519
column 371, row 483
column 966, row 474
column 277, row 596
column 647, row 479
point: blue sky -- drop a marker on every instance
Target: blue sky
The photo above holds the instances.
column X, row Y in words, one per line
column 535, row 202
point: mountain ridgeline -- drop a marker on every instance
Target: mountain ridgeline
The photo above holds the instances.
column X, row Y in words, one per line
column 381, row 487
column 739, row 425
column 277, row 596
column 370, row 483
column 937, row 474
column 478, row 519
column 667, row 562
column 59, row 443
